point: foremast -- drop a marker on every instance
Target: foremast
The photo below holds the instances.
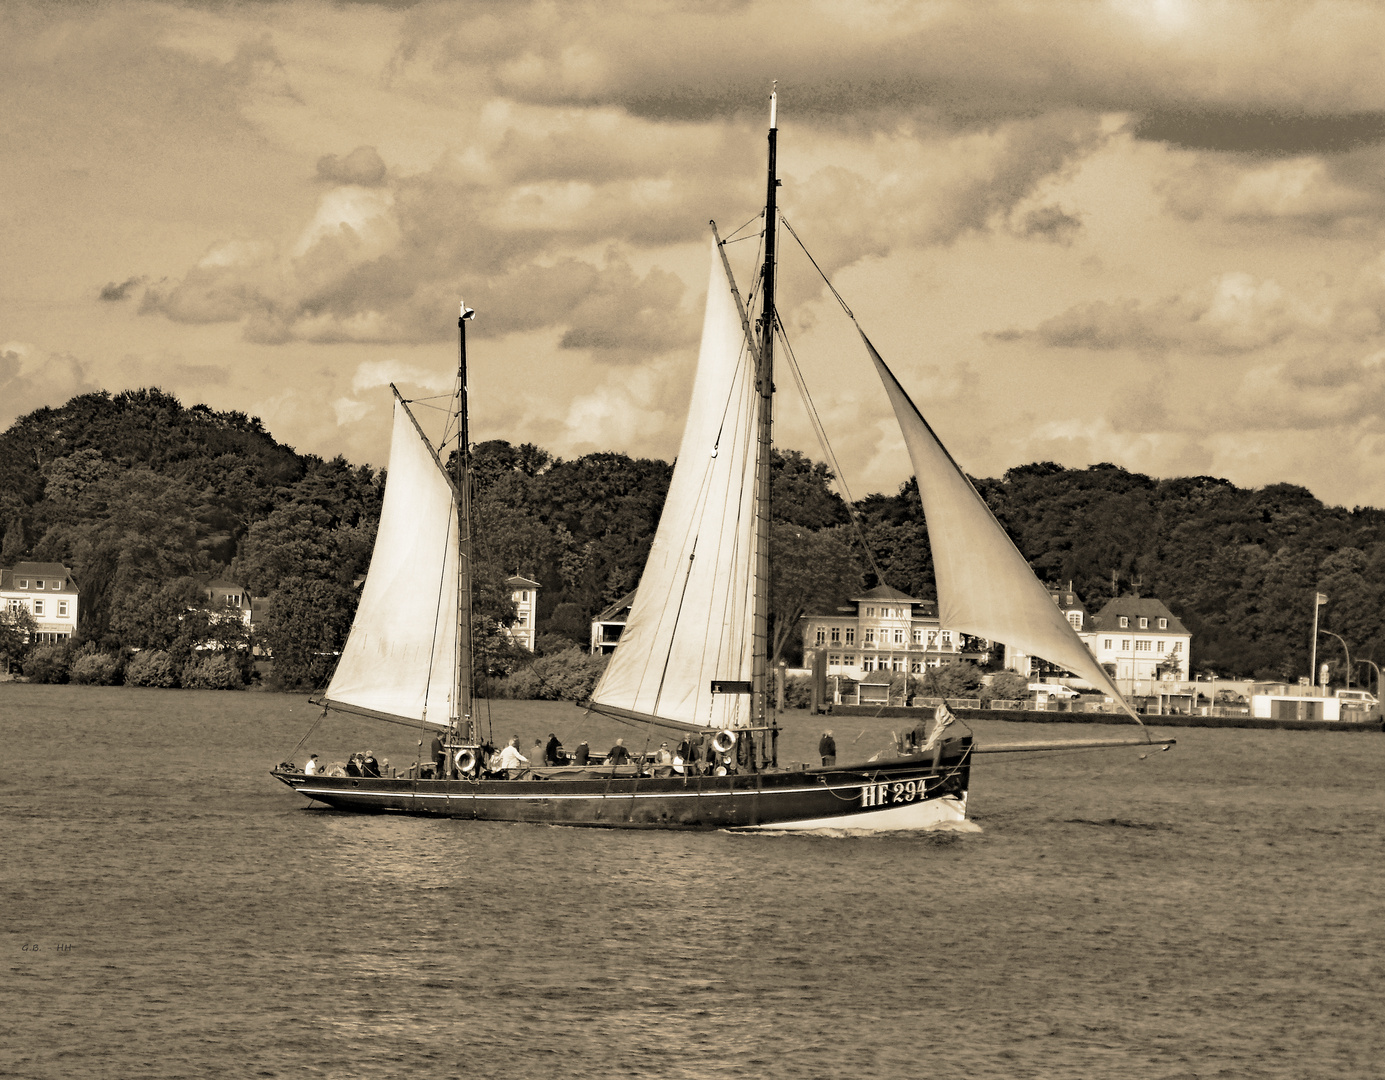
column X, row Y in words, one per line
column 463, row 723
column 764, row 387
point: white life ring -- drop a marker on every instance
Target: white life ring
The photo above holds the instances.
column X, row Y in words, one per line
column 466, row 760
column 722, row 741
column 720, row 770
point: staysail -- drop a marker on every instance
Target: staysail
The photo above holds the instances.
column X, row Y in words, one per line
column 400, row 659
column 985, row 586
column 691, row 620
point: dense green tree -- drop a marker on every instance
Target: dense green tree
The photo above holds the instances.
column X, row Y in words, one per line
column 305, row 628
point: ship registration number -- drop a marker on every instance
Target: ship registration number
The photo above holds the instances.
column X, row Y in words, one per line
column 901, row 791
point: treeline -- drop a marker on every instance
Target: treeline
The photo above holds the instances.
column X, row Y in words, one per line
column 139, row 495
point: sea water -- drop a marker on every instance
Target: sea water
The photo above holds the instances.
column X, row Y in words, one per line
column 170, row 910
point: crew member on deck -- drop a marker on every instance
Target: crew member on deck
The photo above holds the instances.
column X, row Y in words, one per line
column 510, row 757
column 353, row 766
column 827, row 748
column 369, row 766
column 439, row 755
column 618, row 755
column 581, row 755
column 536, row 754
column 553, row 752
column 310, row 769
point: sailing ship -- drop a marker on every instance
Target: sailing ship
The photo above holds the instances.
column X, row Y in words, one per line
column 693, row 656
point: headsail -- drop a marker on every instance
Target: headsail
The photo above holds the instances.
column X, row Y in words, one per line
column 400, row 658
column 690, row 623
column 985, row 586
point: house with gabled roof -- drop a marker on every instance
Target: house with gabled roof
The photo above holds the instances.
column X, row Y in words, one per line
column 609, row 624
column 47, row 592
column 1141, row 639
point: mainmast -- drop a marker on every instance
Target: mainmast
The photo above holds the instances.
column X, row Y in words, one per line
column 764, row 386
column 463, row 723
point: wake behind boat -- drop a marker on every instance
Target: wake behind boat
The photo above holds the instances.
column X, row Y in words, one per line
column 693, row 656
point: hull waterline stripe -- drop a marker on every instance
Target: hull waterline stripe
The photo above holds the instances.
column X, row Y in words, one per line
column 408, row 794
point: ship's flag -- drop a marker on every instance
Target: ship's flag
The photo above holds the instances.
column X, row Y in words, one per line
column 1321, row 598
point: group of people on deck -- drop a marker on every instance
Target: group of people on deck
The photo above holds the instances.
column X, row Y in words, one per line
column 690, row 755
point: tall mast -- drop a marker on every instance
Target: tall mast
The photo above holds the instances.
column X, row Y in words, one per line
column 463, row 724
column 764, row 385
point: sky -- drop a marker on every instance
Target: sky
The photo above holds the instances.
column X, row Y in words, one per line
column 1146, row 233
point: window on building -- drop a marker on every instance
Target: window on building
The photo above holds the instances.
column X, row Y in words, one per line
column 1163, row 624
column 38, row 584
column 1106, row 644
column 523, row 619
column 918, row 637
column 1124, row 622
column 870, row 612
column 851, row 635
column 898, row 663
column 23, row 583
column 62, row 608
column 1144, row 624
column 1159, row 648
column 935, row 662
column 38, row 607
column 899, row 637
column 1143, row 644
column 837, row 634
column 57, row 585
column 867, row 664
column 1125, row 644
column 916, row 667
column 821, row 637
column 870, row 636
column 947, row 637
column 849, row 659
column 1075, row 617
column 1178, row 646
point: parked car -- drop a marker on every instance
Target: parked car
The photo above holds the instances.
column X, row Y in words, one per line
column 1053, row 690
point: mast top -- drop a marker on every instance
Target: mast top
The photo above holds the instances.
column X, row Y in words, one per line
column 467, row 313
column 773, row 102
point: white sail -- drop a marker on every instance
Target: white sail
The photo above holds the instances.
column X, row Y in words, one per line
column 400, row 658
column 691, row 620
column 985, row 586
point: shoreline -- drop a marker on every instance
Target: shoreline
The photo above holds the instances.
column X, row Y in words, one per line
column 1032, row 716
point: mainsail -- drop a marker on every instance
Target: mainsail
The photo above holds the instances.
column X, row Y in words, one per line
column 985, row 586
column 400, row 659
column 691, row 620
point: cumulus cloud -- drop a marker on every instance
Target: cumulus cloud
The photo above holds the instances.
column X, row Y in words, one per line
column 31, row 378
column 1232, row 313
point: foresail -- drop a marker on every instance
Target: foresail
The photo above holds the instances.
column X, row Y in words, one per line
column 985, row 586
column 400, row 657
column 691, row 619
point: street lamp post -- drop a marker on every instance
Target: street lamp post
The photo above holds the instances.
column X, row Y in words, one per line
column 1339, row 637
column 1377, row 674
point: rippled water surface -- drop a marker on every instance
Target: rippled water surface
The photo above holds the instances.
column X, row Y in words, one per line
column 169, row 910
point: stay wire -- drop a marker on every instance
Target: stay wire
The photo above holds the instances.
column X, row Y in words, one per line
column 821, row 432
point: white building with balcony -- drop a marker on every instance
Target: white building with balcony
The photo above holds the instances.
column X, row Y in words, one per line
column 884, row 629
column 46, row 591
column 525, row 593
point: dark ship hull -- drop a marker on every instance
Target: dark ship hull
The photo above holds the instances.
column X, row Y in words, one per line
column 905, row 793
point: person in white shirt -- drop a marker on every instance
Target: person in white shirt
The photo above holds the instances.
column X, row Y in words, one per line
column 510, row 757
column 310, row 769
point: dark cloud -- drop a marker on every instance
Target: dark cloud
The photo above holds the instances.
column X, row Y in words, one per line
column 1274, row 134
column 114, row 293
column 1050, row 223
column 362, row 166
